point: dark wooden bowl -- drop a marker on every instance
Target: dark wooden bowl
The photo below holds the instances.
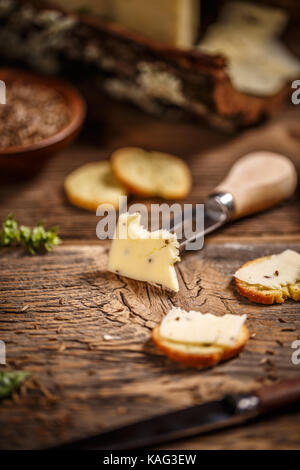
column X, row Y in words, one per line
column 22, row 162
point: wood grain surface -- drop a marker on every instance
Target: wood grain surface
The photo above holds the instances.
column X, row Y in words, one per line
column 84, row 333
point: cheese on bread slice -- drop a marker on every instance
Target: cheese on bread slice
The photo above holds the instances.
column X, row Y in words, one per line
column 270, row 279
column 200, row 340
column 142, row 255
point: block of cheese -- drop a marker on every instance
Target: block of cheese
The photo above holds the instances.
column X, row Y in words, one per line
column 175, row 22
column 273, row 272
column 142, row 255
column 197, row 328
column 171, row 21
column 248, row 36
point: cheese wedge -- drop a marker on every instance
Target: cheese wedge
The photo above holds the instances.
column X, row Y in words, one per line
column 172, row 21
column 198, row 328
column 273, row 272
column 200, row 340
column 142, row 255
column 247, row 35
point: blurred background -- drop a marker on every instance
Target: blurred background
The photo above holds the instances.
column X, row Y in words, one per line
column 185, row 77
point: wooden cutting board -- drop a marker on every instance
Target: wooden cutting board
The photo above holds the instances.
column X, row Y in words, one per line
column 84, row 333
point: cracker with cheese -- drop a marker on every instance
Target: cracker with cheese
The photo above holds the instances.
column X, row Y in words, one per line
column 142, row 255
column 93, row 184
column 200, row 340
column 151, row 173
column 271, row 279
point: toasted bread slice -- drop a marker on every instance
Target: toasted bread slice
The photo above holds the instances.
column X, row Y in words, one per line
column 151, row 173
column 201, row 356
column 93, row 184
column 264, row 295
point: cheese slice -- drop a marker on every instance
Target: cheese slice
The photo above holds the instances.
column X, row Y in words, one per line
column 247, row 35
column 142, row 255
column 201, row 329
column 172, row 21
column 274, row 272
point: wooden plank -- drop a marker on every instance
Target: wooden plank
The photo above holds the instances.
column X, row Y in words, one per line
column 85, row 381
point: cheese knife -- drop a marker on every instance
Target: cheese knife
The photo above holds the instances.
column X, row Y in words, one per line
column 256, row 182
column 215, row 415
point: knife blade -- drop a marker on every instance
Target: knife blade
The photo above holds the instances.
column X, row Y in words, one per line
column 230, row 410
column 217, row 211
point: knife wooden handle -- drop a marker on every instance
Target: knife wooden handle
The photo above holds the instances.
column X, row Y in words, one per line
column 258, row 181
column 283, row 393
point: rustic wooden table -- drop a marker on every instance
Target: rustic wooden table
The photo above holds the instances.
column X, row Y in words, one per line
column 55, row 309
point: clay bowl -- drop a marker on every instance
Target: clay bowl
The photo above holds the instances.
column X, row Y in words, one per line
column 22, row 162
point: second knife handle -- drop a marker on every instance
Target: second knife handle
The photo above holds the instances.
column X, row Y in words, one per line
column 259, row 181
column 278, row 395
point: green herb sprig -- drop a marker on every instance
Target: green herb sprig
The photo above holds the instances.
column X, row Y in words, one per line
column 10, row 231
column 35, row 240
column 11, row 381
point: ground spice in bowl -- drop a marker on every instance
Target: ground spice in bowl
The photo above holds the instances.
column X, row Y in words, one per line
column 32, row 113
